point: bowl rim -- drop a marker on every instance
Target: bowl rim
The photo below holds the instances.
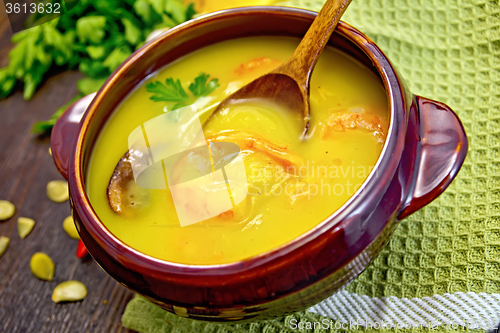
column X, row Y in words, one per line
column 370, row 190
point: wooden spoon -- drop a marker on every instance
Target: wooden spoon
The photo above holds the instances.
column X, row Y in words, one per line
column 289, row 83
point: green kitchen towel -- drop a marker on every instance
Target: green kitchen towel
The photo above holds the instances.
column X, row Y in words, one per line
column 145, row 317
column 442, row 263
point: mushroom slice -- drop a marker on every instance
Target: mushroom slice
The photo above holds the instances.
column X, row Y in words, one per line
column 124, row 195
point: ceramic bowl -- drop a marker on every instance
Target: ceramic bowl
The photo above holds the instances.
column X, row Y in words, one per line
column 425, row 148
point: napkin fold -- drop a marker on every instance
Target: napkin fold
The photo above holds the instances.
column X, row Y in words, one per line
column 443, row 263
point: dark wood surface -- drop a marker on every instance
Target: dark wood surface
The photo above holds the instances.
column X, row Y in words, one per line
column 25, row 169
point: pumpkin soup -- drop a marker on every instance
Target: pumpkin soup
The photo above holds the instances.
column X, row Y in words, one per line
column 291, row 184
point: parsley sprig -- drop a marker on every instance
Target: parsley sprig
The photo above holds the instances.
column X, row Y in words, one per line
column 95, row 37
column 200, row 86
column 172, row 90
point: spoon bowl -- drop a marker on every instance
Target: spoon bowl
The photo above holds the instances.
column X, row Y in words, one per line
column 288, row 84
column 278, row 87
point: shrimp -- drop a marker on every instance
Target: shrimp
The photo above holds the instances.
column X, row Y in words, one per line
column 255, row 142
column 256, row 63
column 340, row 122
column 266, row 164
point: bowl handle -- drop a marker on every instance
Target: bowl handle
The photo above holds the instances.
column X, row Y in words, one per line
column 64, row 133
column 441, row 149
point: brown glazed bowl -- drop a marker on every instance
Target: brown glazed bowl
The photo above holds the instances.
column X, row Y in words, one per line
column 425, row 148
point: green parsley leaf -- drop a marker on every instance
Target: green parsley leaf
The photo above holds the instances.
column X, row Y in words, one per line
column 200, row 87
column 166, row 22
column 96, row 52
column 91, row 28
column 32, row 79
column 171, row 91
column 93, row 68
column 44, row 58
column 132, row 34
column 116, row 57
column 7, row 82
column 143, row 9
column 54, row 38
column 177, row 10
column 30, row 84
column 158, row 5
column 190, row 12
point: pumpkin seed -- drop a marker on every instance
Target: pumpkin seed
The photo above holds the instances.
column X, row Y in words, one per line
column 50, row 151
column 70, row 228
column 4, row 244
column 57, row 190
column 24, row 226
column 7, row 210
column 69, row 291
column 42, row 266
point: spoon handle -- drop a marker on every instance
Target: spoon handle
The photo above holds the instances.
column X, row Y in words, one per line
column 300, row 65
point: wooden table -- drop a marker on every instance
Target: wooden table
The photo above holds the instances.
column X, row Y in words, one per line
column 25, row 169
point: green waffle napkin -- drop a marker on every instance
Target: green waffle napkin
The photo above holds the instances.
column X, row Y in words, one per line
column 443, row 262
column 144, row 317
